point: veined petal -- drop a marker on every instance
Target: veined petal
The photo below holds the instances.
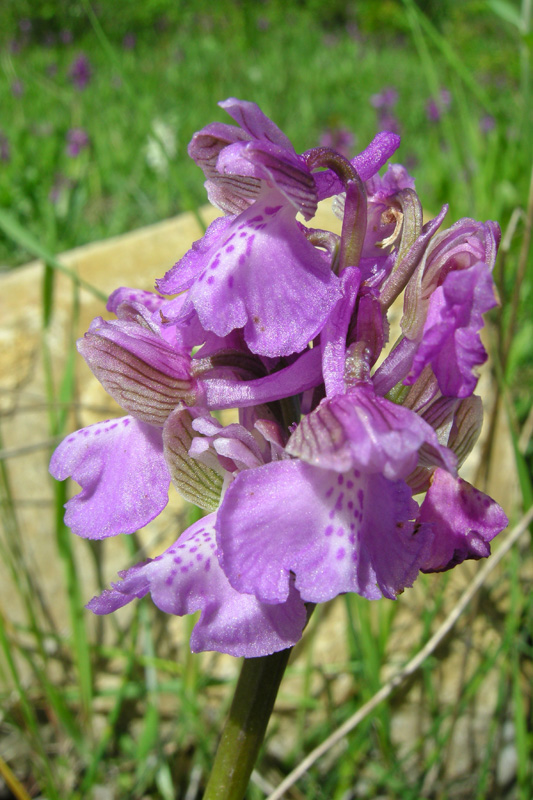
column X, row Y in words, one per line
column 145, row 374
column 196, row 482
column 232, row 194
column 363, row 431
column 464, row 521
column 121, row 469
column 254, row 122
column 187, row 578
column 279, row 167
column 335, row 532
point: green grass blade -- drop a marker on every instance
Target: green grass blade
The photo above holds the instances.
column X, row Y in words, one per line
column 15, row 231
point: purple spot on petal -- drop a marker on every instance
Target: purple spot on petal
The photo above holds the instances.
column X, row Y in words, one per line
column 328, row 531
column 113, row 426
column 331, row 513
column 230, row 281
column 329, row 492
column 340, row 531
column 349, row 484
column 341, row 552
column 258, row 218
column 340, row 480
column 486, row 502
column 184, row 569
column 193, row 549
column 243, row 234
column 242, row 260
column 270, row 210
column 230, row 248
column 126, row 422
column 177, row 560
column 71, row 438
column 350, row 504
column 360, row 497
column 351, row 538
column 207, row 566
column 98, row 432
column 211, row 279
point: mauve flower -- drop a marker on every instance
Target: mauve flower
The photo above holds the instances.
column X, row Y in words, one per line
column 487, row 123
column 77, row 140
column 17, row 88
column 340, row 139
column 311, row 494
column 80, row 71
column 65, row 36
column 387, row 98
column 129, row 41
column 5, row 149
column 434, row 108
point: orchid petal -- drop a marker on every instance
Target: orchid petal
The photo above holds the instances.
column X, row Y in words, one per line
column 335, row 532
column 187, row 577
column 464, row 521
column 121, row 469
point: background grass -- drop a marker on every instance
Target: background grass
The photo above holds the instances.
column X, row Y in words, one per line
column 120, row 709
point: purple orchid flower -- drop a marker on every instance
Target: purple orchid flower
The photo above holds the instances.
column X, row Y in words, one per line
column 233, row 274
column 80, row 72
column 311, row 494
column 77, row 140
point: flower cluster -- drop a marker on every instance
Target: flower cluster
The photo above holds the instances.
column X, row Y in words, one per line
column 311, row 494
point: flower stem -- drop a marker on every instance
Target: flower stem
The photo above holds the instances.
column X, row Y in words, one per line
column 245, row 727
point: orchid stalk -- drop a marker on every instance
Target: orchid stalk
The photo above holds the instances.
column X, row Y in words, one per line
column 340, row 475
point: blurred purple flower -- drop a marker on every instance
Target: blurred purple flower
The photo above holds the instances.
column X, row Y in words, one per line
column 384, row 103
column 129, row 41
column 17, row 88
column 388, row 122
column 5, row 150
column 434, row 108
column 80, row 72
column 340, row 139
column 25, row 25
column 77, row 140
column 65, row 36
column 487, row 123
column 387, row 98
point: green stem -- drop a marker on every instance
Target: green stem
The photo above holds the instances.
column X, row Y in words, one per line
column 245, row 727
